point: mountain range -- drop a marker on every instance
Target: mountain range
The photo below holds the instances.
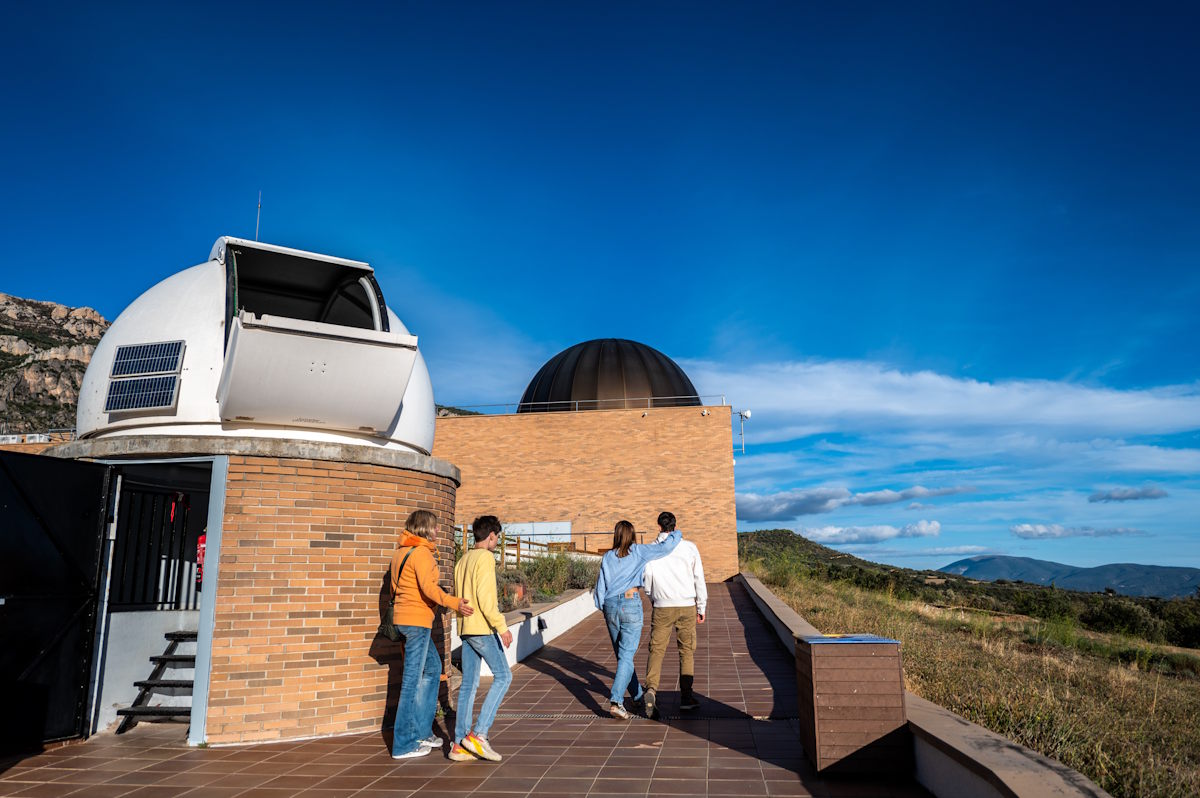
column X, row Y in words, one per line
column 44, row 350
column 1129, row 579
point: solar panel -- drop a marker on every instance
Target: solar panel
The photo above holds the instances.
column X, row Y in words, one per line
column 144, row 359
column 141, row 393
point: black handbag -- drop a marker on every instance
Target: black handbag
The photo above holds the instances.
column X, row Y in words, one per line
column 387, row 628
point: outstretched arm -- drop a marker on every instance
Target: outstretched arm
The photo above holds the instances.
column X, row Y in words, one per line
column 653, row 551
column 426, row 571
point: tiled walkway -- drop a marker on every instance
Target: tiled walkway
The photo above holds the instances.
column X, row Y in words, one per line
column 742, row 741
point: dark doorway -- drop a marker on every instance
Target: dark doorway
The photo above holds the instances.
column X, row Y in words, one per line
column 54, row 513
column 162, row 513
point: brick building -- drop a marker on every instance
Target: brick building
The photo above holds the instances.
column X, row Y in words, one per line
column 265, row 415
column 594, row 468
column 606, row 429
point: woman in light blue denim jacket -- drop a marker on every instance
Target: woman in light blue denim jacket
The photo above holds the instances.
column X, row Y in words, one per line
column 618, row 597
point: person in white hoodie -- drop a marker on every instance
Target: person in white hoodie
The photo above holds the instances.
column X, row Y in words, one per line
column 675, row 585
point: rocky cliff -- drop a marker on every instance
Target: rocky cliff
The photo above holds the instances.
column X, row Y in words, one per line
column 44, row 350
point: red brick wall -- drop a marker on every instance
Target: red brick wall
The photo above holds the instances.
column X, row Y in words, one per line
column 304, row 552
column 596, row 467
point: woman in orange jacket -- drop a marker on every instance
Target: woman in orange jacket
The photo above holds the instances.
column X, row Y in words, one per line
column 414, row 574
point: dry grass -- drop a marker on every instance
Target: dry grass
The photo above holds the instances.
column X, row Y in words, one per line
column 1134, row 732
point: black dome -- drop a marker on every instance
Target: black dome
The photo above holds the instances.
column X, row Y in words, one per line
column 608, row 374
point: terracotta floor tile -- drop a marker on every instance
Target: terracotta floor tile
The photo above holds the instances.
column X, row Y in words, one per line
column 718, row 750
column 574, row 786
column 748, row 787
column 678, row 786
column 519, row 785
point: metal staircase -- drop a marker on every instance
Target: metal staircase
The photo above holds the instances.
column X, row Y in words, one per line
column 140, row 707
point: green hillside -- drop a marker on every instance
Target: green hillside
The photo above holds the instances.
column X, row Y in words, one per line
column 782, row 553
column 1025, row 661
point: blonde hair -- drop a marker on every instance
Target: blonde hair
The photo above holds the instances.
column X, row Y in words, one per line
column 623, row 538
column 421, row 523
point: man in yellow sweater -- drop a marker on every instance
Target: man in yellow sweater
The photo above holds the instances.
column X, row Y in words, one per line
column 482, row 635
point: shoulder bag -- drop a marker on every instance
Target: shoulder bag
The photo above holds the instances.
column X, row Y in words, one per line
column 387, row 628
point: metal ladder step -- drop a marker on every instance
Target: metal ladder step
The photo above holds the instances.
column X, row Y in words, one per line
column 162, row 712
column 174, row 659
column 155, row 681
column 150, row 684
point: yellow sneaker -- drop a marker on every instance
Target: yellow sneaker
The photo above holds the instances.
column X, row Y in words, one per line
column 479, row 747
column 460, row 754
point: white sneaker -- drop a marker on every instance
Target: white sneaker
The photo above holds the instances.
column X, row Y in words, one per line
column 432, row 741
column 421, row 751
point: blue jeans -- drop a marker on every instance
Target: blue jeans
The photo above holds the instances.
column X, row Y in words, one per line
column 418, row 689
column 624, row 619
column 487, row 648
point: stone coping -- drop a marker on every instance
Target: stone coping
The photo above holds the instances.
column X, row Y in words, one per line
column 534, row 610
column 954, row 756
column 160, row 446
column 529, row 632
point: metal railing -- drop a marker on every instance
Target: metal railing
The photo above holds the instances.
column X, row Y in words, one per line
column 46, row 436
column 574, row 406
column 513, row 548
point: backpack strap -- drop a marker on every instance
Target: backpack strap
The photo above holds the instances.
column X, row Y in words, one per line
column 399, row 571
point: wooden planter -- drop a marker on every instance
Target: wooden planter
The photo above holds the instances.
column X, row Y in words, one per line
column 852, row 704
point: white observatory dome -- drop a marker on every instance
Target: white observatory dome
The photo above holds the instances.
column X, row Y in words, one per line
column 261, row 341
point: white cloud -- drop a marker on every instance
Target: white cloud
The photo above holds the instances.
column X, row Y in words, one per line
column 1056, row 531
column 794, row 399
column 1127, row 494
column 936, row 551
column 870, row 534
column 787, row 505
column 790, row 504
column 946, row 550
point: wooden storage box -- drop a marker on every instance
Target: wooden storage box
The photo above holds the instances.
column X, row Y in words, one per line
column 852, row 704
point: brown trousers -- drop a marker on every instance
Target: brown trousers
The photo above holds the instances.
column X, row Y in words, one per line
column 662, row 621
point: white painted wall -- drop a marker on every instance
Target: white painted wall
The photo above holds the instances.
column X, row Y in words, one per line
column 528, row 634
column 134, row 637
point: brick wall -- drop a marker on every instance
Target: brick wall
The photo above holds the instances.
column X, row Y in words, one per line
column 304, row 553
column 596, row 467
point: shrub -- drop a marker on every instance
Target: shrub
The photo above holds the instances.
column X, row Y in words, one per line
column 1123, row 617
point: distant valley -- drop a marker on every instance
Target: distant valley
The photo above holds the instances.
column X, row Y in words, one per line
column 1126, row 578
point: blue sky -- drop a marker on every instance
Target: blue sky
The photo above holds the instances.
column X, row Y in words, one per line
column 946, row 252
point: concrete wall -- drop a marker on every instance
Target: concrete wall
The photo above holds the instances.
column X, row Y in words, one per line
column 594, row 468
column 132, row 638
column 304, row 556
column 534, row 628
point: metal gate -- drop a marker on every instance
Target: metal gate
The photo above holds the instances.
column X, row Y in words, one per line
column 53, row 515
column 150, row 569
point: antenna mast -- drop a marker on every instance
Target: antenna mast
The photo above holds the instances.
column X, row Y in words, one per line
column 259, row 216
